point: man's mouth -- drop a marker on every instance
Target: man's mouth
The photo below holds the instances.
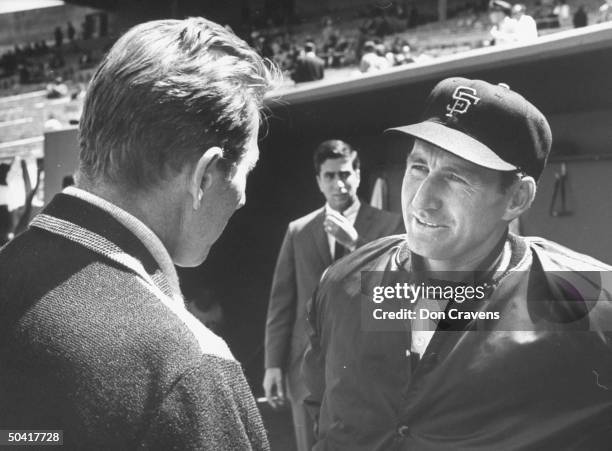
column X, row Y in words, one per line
column 425, row 223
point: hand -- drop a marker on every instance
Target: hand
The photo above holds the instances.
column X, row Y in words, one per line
column 341, row 229
column 273, row 385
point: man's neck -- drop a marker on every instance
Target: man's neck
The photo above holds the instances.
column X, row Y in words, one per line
column 480, row 262
column 352, row 205
column 153, row 210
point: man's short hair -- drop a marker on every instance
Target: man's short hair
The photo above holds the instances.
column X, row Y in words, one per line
column 165, row 92
column 508, row 179
column 501, row 5
column 332, row 149
column 309, row 47
column 369, row 46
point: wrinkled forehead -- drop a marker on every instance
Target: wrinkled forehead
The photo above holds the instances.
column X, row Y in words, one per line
column 436, row 157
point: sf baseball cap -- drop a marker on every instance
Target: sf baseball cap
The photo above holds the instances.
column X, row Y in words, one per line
column 489, row 125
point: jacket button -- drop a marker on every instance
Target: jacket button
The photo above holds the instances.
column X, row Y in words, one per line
column 403, row 430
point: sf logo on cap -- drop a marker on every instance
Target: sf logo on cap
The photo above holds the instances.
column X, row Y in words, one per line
column 464, row 98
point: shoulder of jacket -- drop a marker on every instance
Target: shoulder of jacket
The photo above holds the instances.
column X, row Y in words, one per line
column 363, row 258
column 563, row 258
column 299, row 223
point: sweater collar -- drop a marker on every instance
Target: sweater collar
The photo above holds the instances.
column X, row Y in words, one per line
column 105, row 228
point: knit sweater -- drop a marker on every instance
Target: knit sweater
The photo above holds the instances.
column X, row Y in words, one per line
column 95, row 342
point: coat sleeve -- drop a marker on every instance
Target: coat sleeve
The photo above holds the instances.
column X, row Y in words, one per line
column 209, row 408
column 282, row 306
column 313, row 364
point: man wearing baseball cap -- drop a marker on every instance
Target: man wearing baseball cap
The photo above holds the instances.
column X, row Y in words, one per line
column 517, row 356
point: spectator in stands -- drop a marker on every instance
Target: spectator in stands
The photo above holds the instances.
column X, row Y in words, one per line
column 563, row 13
column 526, row 27
column 383, row 54
column 341, row 53
column 405, row 56
column 400, row 52
column 510, row 23
column 504, row 26
column 59, row 36
column 371, row 61
column 329, row 34
column 57, row 89
column 24, row 74
column 605, row 11
column 308, row 67
column 580, row 17
column 52, row 123
column 70, row 31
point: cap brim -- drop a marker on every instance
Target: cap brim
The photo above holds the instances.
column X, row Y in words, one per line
column 455, row 142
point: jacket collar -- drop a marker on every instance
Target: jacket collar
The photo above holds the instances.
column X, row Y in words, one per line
column 511, row 250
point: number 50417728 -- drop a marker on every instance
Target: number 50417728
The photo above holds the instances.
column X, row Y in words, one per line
column 31, row 437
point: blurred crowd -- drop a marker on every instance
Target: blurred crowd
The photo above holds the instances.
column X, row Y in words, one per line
column 370, row 39
column 63, row 54
column 379, row 38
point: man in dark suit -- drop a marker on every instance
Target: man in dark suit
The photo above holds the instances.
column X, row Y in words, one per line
column 309, row 66
column 311, row 244
column 95, row 339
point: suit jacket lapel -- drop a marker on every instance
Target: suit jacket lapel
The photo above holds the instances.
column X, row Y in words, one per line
column 364, row 218
column 320, row 238
column 363, row 223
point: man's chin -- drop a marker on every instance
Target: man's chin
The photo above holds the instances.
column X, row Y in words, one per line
column 418, row 247
column 342, row 203
column 191, row 261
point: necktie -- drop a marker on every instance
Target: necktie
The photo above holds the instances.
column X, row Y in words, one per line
column 339, row 251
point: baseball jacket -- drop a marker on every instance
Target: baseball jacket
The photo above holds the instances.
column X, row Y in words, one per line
column 537, row 378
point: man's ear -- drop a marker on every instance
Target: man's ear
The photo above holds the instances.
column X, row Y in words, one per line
column 319, row 181
column 521, row 198
column 202, row 176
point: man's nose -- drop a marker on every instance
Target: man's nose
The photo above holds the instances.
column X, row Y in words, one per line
column 340, row 182
column 427, row 195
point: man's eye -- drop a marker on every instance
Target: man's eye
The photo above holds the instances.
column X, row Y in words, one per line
column 455, row 178
column 418, row 169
